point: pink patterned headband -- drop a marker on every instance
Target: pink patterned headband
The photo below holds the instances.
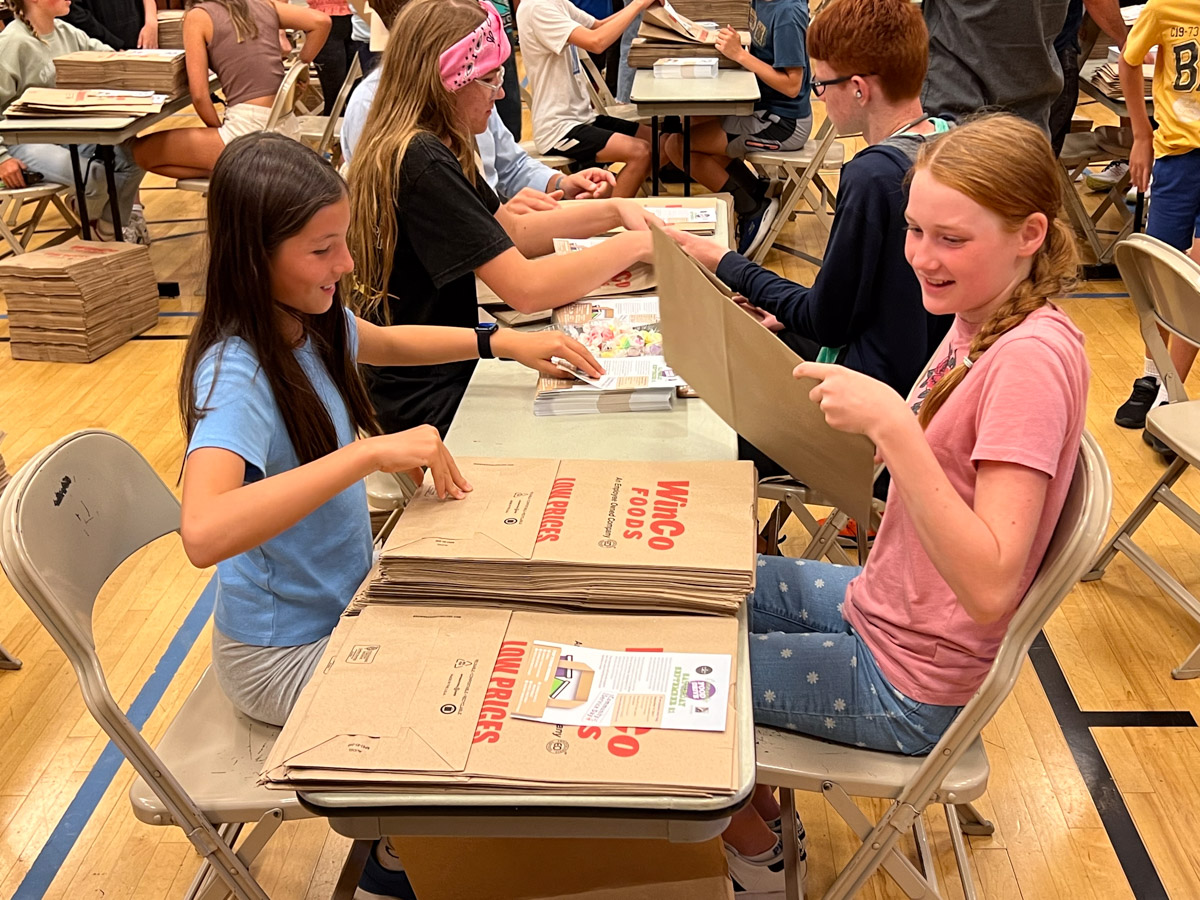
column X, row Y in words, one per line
column 483, row 50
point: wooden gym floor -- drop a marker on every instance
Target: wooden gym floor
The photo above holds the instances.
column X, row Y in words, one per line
column 1095, row 786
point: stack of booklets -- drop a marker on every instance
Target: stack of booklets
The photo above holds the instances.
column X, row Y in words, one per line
column 513, row 701
column 623, row 335
column 54, row 103
column 79, row 300
column 5, row 477
column 170, row 28
column 160, row 71
column 596, row 534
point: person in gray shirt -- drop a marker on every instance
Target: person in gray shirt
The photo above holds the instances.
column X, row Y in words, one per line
column 993, row 53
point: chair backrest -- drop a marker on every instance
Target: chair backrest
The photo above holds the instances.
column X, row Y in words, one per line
column 285, row 96
column 602, row 97
column 1165, row 287
column 1076, row 540
column 339, row 104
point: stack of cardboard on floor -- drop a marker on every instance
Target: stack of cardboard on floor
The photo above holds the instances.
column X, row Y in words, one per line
column 170, row 29
column 687, row 31
column 78, row 300
column 57, row 103
column 425, row 699
column 160, row 71
column 665, row 536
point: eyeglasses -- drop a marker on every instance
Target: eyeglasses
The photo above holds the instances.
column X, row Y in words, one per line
column 818, row 86
column 494, row 82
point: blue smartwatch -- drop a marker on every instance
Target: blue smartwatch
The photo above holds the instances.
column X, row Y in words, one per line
column 483, row 334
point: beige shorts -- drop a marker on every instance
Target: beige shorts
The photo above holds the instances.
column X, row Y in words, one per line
column 246, row 118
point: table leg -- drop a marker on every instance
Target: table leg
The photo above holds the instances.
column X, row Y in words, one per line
column 654, row 186
column 352, row 870
column 85, row 227
column 109, row 157
column 687, row 156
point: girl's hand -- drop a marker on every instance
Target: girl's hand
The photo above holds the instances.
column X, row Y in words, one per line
column 529, row 200
column 590, row 184
column 416, row 448
column 851, row 401
column 634, row 216
column 729, row 44
column 1141, row 163
column 148, row 36
column 12, row 173
column 535, row 349
column 764, row 318
column 707, row 253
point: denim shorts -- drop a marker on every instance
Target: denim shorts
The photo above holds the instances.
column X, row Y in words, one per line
column 811, row 672
column 1174, row 216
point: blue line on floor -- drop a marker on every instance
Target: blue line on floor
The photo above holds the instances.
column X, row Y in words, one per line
column 66, row 833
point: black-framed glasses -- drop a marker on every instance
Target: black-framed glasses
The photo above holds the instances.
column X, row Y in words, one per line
column 818, row 86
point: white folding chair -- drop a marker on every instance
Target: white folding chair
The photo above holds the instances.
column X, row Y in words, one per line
column 956, row 771
column 280, row 107
column 321, row 131
column 553, row 160
column 17, row 234
column 602, row 98
column 1083, row 149
column 1165, row 287
column 800, row 172
column 68, row 519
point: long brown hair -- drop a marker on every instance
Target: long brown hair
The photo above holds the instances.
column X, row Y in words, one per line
column 18, row 8
column 978, row 159
column 244, row 25
column 264, row 189
column 411, row 99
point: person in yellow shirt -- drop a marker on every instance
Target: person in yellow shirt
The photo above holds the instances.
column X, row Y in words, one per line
column 1172, row 151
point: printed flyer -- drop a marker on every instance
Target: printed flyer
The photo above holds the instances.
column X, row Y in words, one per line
column 581, row 686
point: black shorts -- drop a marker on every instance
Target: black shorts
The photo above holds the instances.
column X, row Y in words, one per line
column 583, row 142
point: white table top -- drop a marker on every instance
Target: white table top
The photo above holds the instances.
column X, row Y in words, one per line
column 730, row 86
column 496, row 419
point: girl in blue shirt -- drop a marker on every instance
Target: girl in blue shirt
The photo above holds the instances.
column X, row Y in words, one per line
column 272, row 402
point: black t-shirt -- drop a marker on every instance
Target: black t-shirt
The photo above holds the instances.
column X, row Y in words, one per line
column 447, row 229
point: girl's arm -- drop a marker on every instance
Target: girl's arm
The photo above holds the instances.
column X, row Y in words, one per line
column 528, row 285
column 222, row 517
column 197, row 32
column 979, row 550
column 427, row 345
column 534, row 234
column 314, row 24
column 148, row 36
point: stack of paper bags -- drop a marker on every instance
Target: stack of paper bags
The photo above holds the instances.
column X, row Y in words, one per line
column 735, row 13
column 5, row 477
column 623, row 334
column 77, row 301
column 455, row 676
column 1108, row 78
column 161, row 70
column 170, row 28
column 53, row 103
column 595, row 534
column 687, row 30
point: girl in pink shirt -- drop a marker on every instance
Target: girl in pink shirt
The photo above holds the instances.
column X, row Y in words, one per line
column 886, row 655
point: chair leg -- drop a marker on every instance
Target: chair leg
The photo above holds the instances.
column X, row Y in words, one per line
column 824, row 537
column 973, row 822
column 960, row 852
column 352, row 869
column 774, row 527
column 1189, row 668
column 793, row 889
column 7, row 660
column 1135, row 519
column 925, row 852
column 202, row 886
column 264, row 830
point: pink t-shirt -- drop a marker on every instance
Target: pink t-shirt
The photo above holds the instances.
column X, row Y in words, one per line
column 1022, row 402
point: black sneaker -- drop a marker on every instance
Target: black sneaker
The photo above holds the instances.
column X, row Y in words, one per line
column 1158, row 446
column 380, row 883
column 755, row 227
column 1132, row 413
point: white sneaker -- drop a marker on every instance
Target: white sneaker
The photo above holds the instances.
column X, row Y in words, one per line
column 137, row 222
column 760, row 876
column 1109, row 176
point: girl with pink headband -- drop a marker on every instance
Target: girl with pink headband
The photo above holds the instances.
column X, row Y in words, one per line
column 425, row 222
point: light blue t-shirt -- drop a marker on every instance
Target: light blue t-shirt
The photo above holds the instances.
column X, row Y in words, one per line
column 292, row 588
column 506, row 167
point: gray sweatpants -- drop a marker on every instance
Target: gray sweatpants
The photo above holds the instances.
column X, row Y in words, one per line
column 264, row 682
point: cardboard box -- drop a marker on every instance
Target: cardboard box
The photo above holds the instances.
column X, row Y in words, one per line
column 679, row 67
column 564, row 869
column 744, row 372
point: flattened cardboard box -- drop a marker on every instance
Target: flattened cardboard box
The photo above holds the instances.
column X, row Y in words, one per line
column 744, row 372
column 449, row 675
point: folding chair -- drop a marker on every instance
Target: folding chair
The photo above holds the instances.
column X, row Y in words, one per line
column 7, row 660
column 322, row 131
column 1165, row 287
column 800, row 171
column 1083, row 149
column 553, row 160
column 602, row 98
column 956, row 771
column 793, row 499
column 68, row 519
column 13, row 201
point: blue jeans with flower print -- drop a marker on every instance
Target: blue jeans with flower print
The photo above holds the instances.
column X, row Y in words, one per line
column 813, row 674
